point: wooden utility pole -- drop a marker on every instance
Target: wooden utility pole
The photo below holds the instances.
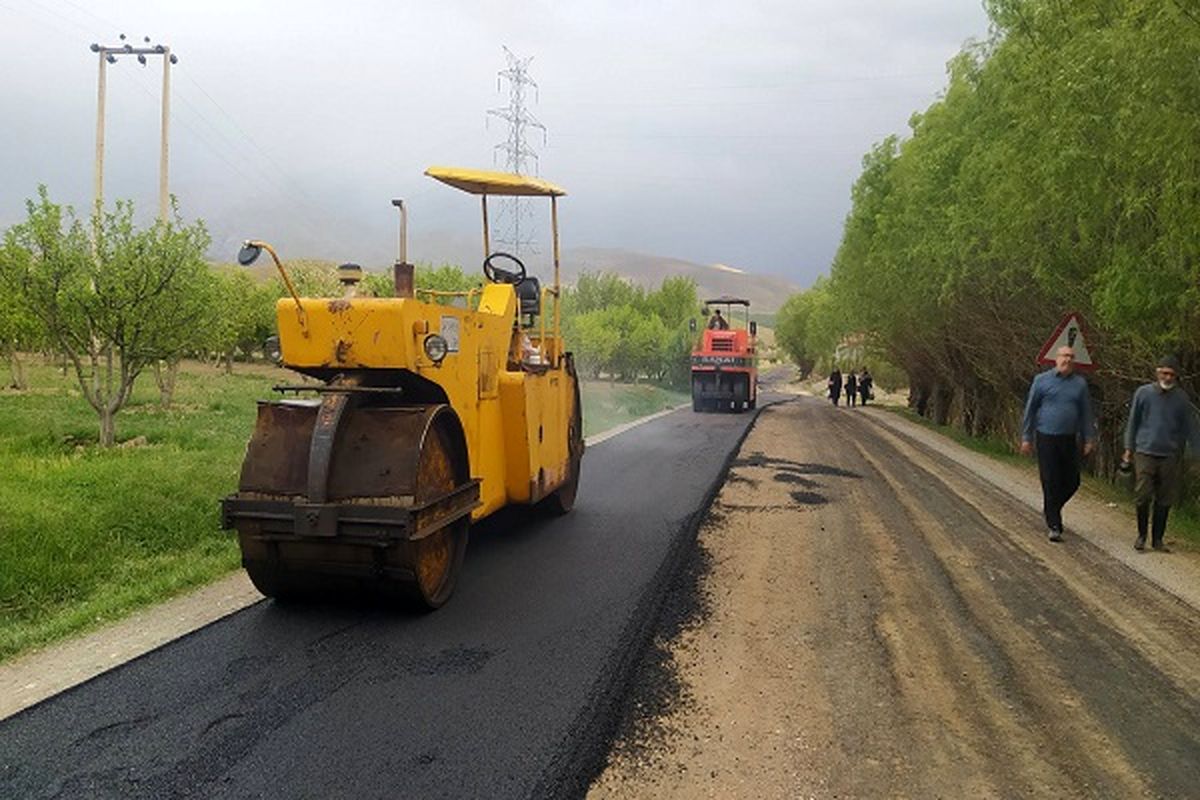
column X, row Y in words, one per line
column 109, row 55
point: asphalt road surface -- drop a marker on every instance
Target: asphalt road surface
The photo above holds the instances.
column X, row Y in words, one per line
column 508, row 691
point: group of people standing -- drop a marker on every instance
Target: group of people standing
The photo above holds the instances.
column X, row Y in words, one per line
column 855, row 386
column 1058, row 417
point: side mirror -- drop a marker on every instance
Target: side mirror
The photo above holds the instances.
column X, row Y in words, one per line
column 704, row 311
column 248, row 254
column 753, row 327
column 692, row 324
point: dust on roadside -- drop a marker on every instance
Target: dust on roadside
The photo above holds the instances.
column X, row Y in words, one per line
column 718, row 709
column 875, row 621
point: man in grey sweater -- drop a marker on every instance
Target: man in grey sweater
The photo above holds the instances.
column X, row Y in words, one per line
column 1160, row 427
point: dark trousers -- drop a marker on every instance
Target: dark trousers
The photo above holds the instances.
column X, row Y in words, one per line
column 1158, row 479
column 1058, row 465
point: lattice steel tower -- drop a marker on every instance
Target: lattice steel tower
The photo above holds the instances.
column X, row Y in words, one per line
column 514, row 217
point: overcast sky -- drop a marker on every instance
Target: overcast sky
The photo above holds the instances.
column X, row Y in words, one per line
column 715, row 132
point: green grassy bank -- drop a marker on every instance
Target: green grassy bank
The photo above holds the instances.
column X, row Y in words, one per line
column 87, row 535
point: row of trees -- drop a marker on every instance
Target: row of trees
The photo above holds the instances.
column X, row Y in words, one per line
column 616, row 328
column 113, row 301
column 621, row 330
column 1057, row 173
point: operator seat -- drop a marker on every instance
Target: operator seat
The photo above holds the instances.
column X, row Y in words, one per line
column 529, row 293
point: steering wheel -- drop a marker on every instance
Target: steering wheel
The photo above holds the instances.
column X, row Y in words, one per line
column 498, row 275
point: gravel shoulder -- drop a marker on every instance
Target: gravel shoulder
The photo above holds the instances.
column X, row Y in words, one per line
column 881, row 615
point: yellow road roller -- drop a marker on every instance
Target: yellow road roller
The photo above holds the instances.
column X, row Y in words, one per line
column 428, row 411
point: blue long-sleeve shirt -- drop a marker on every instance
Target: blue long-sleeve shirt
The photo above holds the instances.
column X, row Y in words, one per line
column 1160, row 421
column 1058, row 405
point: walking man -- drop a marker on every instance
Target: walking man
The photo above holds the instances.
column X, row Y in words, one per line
column 1160, row 426
column 1058, row 412
column 835, row 385
column 864, row 386
column 851, row 388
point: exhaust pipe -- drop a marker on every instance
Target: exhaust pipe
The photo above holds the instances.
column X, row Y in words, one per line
column 403, row 271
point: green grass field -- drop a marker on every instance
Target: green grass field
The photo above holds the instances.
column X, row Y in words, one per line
column 88, row 535
column 606, row 405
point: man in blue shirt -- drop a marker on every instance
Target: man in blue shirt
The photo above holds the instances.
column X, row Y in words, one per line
column 1160, row 426
column 1058, row 412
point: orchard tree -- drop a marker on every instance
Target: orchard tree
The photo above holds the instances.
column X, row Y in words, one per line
column 594, row 340
column 20, row 332
column 113, row 305
column 245, row 314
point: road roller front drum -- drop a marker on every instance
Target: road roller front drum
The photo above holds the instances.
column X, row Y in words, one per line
column 341, row 497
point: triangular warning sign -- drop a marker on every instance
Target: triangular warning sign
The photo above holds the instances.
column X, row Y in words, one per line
column 1069, row 333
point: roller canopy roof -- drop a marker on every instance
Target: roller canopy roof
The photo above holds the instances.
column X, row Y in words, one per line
column 503, row 184
column 727, row 301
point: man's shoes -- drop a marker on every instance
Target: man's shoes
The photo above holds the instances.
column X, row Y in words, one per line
column 1159, row 547
column 1140, row 542
column 1055, row 535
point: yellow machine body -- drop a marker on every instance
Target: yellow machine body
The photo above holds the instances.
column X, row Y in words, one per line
column 513, row 414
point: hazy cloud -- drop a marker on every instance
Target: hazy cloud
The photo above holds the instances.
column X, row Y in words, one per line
column 715, row 132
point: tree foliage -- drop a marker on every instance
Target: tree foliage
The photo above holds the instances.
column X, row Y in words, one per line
column 20, row 332
column 619, row 329
column 1057, row 172
column 245, row 313
column 115, row 303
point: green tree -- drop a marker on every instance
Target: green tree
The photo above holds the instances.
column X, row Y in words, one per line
column 115, row 306
column 20, row 332
column 245, row 314
column 1055, row 173
column 601, row 290
column 791, row 331
column 594, row 340
column 441, row 278
column 675, row 301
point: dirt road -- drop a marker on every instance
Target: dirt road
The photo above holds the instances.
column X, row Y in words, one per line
column 880, row 622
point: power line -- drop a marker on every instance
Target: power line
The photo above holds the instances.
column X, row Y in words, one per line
column 518, row 155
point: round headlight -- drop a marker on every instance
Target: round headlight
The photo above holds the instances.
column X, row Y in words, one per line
column 436, row 347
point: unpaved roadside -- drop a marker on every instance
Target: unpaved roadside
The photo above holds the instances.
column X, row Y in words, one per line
column 882, row 622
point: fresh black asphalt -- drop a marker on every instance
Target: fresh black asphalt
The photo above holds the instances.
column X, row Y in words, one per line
column 510, row 690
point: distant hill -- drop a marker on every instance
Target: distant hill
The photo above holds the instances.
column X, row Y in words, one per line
column 766, row 293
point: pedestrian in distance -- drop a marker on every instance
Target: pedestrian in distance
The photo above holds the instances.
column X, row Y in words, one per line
column 1161, row 425
column 1058, row 414
column 865, row 383
column 835, row 385
column 851, row 388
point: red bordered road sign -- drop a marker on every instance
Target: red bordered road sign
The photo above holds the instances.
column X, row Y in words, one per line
column 1071, row 332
